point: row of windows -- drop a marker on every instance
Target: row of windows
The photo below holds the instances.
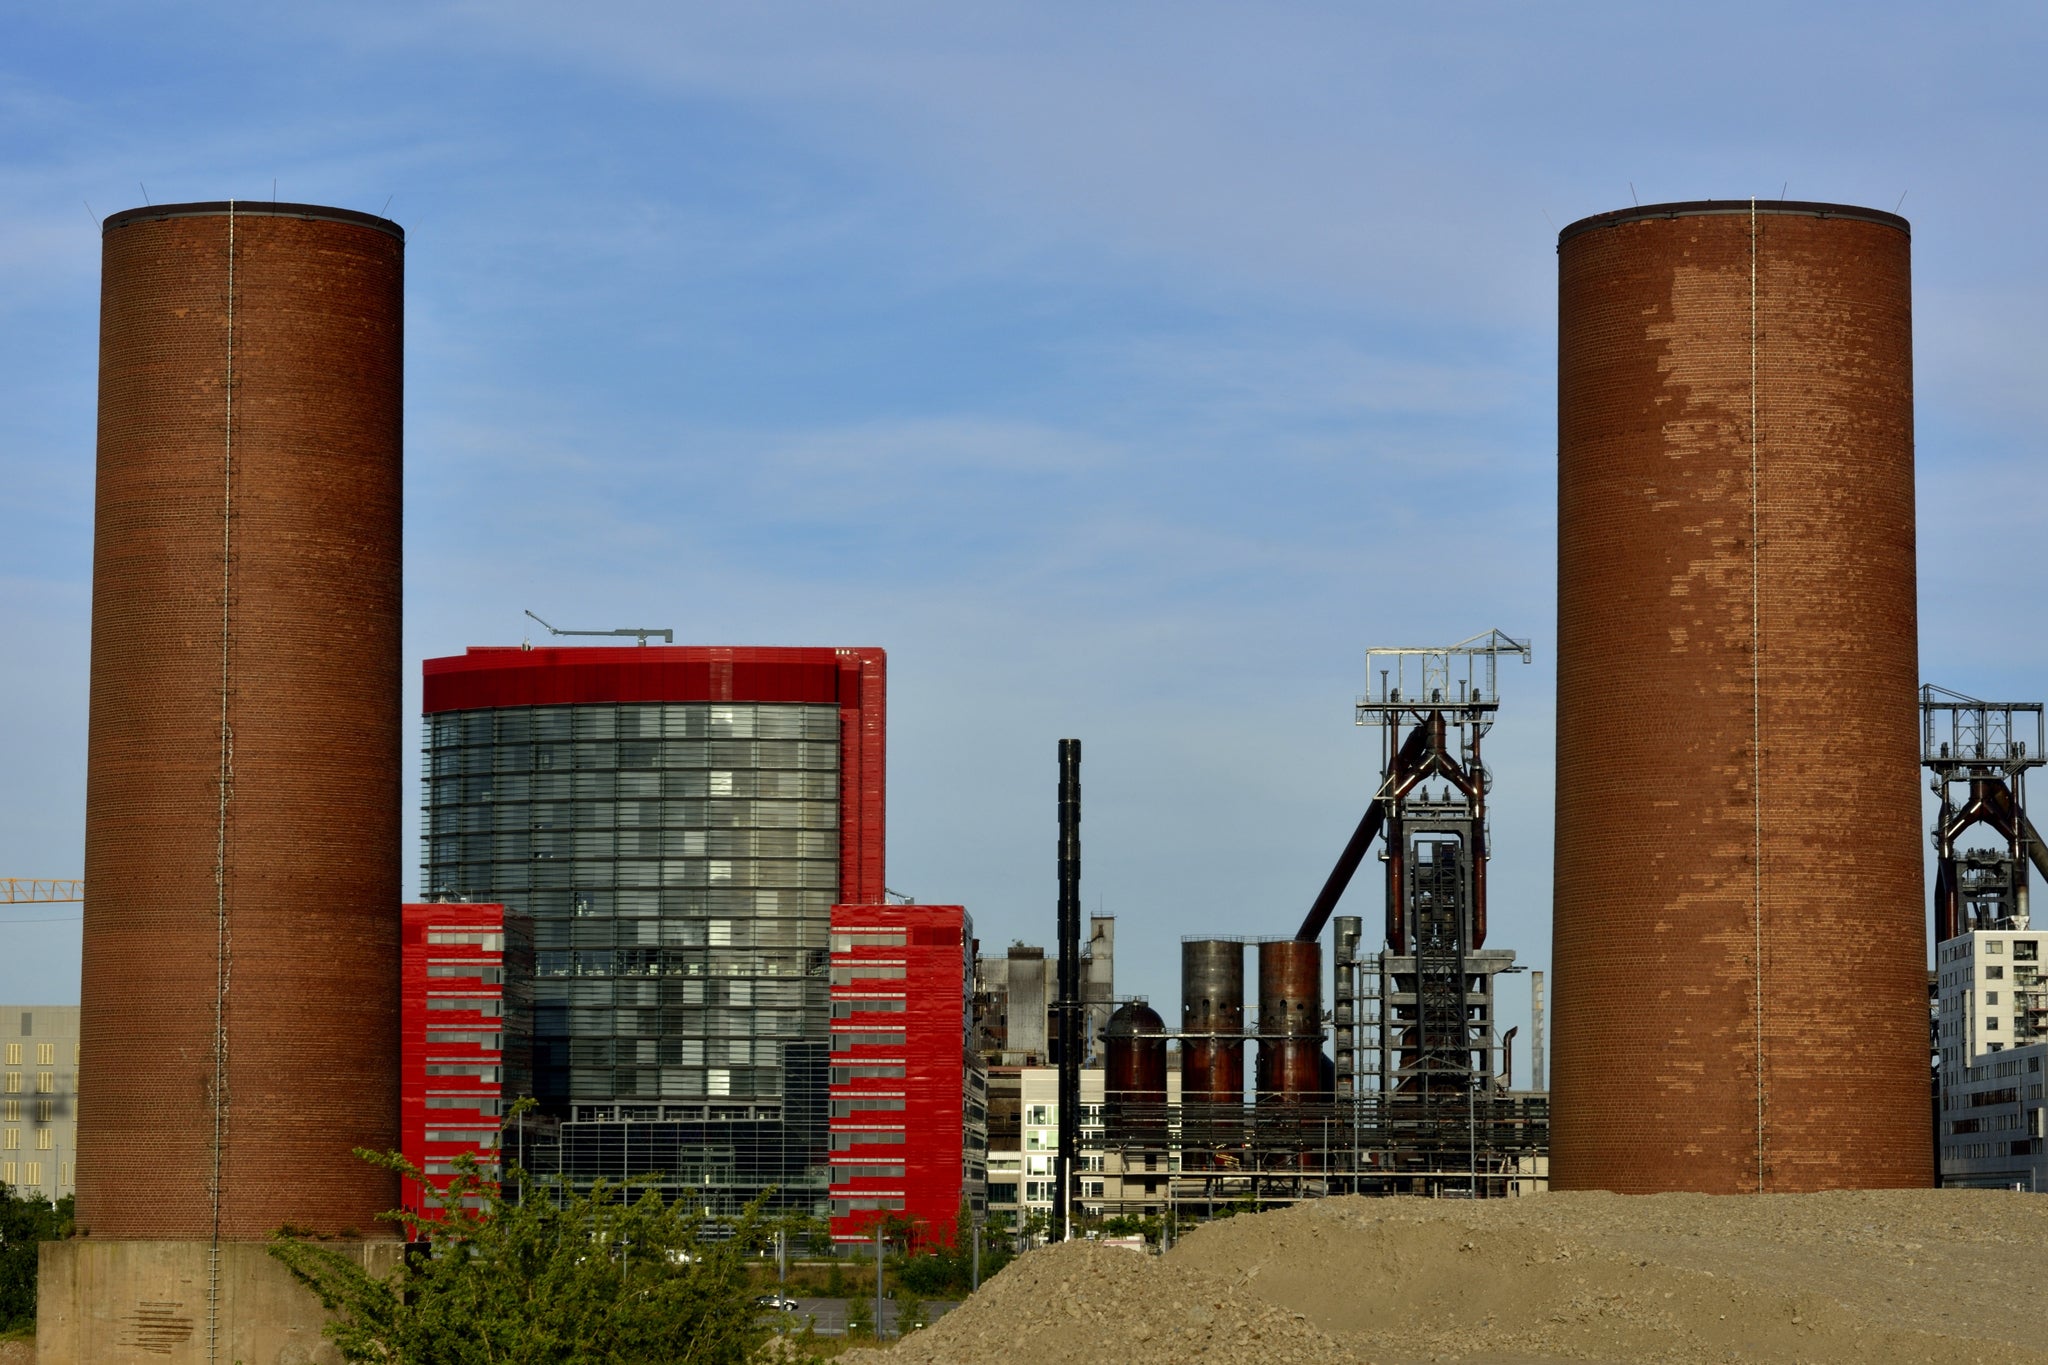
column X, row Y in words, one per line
column 678, row 1082
column 592, row 910
column 843, row 1207
column 789, row 992
column 498, row 880
column 666, row 754
column 627, row 1025
column 846, row 1009
column 635, row 720
column 846, row 976
column 873, row 1071
column 588, row 1052
column 1978, row 1151
column 46, row 1082
column 708, row 814
column 45, row 1139
column 603, row 844
column 820, row 783
column 866, row 1170
column 489, row 1042
column 46, row 1054
column 45, row 1111
column 651, row 987
column 601, row 1052
column 846, row 1042
column 30, row 1173
column 846, row 1142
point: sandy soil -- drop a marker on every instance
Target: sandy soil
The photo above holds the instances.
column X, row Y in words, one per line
column 1872, row 1277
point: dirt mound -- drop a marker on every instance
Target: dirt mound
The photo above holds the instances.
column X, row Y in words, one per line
column 1875, row 1277
column 1068, row 1303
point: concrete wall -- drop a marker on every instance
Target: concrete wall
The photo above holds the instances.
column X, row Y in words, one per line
column 105, row 1302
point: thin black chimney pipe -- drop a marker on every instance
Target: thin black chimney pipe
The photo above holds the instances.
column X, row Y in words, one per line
column 1068, row 1006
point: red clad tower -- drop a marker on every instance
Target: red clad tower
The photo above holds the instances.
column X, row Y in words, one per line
column 909, row 1116
column 468, row 1035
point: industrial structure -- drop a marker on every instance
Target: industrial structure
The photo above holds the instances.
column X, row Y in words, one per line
column 1014, row 993
column 39, row 1100
column 1985, row 749
column 909, row 1100
column 239, row 1002
column 1739, row 943
column 467, row 1054
column 1418, row 1097
column 677, row 822
column 1991, row 1003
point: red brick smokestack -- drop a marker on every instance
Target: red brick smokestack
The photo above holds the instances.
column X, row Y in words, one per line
column 1741, row 987
column 240, row 1030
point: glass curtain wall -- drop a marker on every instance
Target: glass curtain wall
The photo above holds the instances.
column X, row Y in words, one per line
column 680, row 862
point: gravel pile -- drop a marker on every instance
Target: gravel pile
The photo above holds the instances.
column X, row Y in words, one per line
column 1873, row 1277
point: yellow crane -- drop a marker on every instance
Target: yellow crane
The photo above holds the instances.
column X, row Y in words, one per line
column 40, row 890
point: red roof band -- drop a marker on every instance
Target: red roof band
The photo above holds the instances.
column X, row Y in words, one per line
column 491, row 676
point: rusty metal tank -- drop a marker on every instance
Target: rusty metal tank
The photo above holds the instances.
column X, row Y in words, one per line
column 241, row 939
column 1291, row 1063
column 1212, row 1021
column 1134, row 1075
column 1740, row 990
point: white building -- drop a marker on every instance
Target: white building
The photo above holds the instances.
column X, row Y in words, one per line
column 39, row 1099
column 1021, row 1180
column 1992, row 1039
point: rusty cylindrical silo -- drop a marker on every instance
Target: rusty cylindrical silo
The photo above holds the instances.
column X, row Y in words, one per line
column 1741, row 993
column 240, row 993
column 1212, row 1021
column 1134, row 1075
column 1290, row 1063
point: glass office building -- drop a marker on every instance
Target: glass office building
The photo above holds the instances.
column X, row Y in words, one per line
column 678, row 823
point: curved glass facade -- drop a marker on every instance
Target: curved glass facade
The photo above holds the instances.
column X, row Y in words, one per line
column 679, row 861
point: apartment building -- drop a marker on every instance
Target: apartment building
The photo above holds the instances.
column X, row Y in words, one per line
column 39, row 1099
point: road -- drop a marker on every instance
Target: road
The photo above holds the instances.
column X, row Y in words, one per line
column 828, row 1316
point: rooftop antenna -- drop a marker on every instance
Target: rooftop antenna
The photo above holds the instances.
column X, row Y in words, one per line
column 668, row 637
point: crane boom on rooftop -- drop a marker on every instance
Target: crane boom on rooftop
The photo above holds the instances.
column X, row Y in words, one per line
column 668, row 637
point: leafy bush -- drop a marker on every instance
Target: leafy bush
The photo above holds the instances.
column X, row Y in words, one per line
column 946, row 1270
column 23, row 1224
column 538, row 1274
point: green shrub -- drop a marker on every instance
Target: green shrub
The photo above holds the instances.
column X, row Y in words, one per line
column 539, row 1274
column 23, row 1224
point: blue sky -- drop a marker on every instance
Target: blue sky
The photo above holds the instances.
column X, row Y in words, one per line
column 1124, row 371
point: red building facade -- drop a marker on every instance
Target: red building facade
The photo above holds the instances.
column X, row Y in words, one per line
column 466, row 1052
column 909, row 1111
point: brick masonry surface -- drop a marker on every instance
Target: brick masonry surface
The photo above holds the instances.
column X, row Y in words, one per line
column 1664, row 928
column 311, row 836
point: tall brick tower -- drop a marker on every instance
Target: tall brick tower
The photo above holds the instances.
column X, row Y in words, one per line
column 1741, row 991
column 240, row 1029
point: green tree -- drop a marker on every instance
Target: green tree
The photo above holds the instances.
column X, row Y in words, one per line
column 529, row 1272
column 24, row 1223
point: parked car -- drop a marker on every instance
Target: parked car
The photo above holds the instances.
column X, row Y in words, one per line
column 775, row 1303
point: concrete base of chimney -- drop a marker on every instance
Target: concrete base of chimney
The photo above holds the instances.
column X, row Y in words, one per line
column 116, row 1302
